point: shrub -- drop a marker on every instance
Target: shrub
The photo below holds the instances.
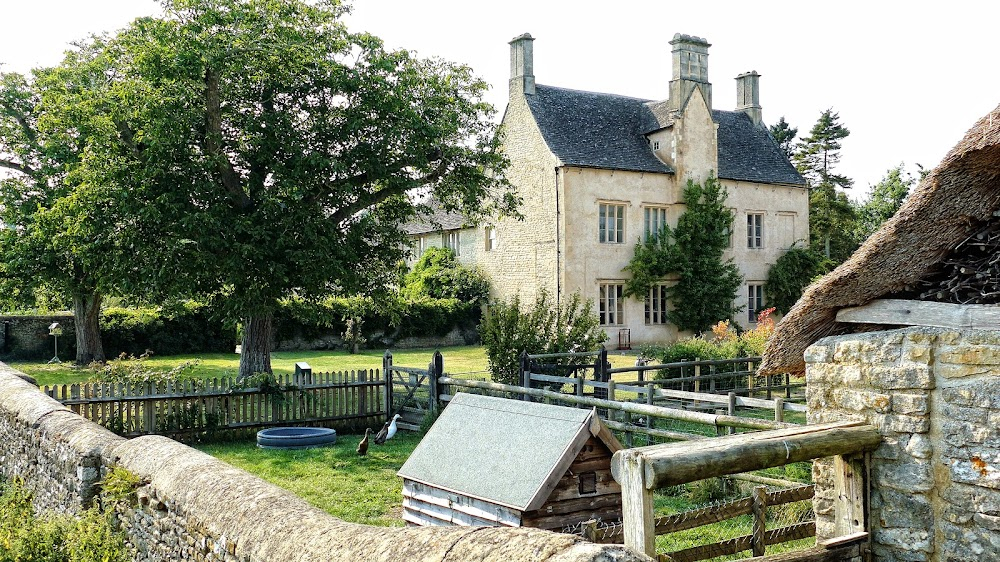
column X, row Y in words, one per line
column 131, row 369
column 438, row 275
column 725, row 343
column 25, row 536
column 510, row 330
column 172, row 329
column 791, row 274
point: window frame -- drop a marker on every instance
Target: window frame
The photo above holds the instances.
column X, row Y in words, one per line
column 604, row 234
column 446, row 241
column 657, row 294
column 662, row 216
column 616, row 290
column 490, row 237
column 755, row 295
column 755, row 230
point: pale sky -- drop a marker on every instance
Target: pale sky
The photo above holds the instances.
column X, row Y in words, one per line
column 907, row 78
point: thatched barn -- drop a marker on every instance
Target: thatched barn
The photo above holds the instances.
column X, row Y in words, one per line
column 943, row 246
column 494, row 462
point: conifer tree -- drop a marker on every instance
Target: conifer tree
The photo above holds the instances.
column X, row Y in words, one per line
column 784, row 134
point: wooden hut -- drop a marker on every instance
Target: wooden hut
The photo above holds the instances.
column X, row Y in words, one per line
column 495, row 462
column 935, row 263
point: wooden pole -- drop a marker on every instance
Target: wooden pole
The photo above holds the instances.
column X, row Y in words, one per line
column 850, row 492
column 525, row 375
column 779, row 409
column 732, row 408
column 637, row 503
column 759, row 505
column 678, row 463
column 387, row 375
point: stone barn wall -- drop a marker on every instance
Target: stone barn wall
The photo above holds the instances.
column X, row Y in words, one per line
column 27, row 337
column 191, row 506
column 934, row 394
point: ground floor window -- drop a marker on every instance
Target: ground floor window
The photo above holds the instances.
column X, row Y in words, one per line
column 612, row 304
column 656, row 305
column 755, row 300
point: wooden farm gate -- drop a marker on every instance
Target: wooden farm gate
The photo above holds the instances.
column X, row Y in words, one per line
column 196, row 409
column 412, row 392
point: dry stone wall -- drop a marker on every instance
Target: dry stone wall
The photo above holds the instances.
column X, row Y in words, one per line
column 27, row 337
column 193, row 507
column 934, row 394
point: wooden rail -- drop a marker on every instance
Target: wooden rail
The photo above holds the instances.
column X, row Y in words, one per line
column 641, row 470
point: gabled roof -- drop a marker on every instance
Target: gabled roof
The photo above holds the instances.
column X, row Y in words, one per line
column 749, row 153
column 439, row 219
column 944, row 209
column 506, row 452
column 594, row 130
column 607, row 131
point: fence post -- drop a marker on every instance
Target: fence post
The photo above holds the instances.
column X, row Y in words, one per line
column 637, row 505
column 850, row 493
column 759, row 505
column 697, row 375
column 601, row 367
column 750, row 379
column 779, row 409
column 362, row 392
column 387, row 376
column 711, row 383
column 437, row 369
column 788, row 386
column 525, row 374
column 732, row 410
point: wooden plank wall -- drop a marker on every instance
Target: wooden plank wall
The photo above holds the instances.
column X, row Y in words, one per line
column 425, row 505
column 194, row 409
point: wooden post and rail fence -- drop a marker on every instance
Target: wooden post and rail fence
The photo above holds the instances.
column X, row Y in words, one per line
column 644, row 469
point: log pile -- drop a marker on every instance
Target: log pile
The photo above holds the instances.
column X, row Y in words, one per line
column 970, row 274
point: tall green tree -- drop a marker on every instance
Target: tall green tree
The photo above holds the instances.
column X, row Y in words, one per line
column 784, row 134
column 267, row 152
column 58, row 228
column 886, row 198
column 706, row 283
column 831, row 215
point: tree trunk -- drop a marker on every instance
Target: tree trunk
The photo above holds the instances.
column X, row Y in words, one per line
column 255, row 351
column 87, row 317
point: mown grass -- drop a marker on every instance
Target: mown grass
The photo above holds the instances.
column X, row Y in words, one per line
column 334, row 479
column 459, row 361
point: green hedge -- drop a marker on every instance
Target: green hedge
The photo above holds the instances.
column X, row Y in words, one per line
column 393, row 317
column 188, row 327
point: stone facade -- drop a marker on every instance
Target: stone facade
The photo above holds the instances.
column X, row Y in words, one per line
column 934, row 394
column 639, row 157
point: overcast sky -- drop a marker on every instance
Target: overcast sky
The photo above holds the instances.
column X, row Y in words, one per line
column 907, row 78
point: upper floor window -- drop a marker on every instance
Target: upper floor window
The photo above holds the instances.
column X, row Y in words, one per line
column 452, row 240
column 611, row 304
column 755, row 230
column 421, row 245
column 653, row 221
column 755, row 301
column 611, row 223
column 656, row 305
column 490, row 234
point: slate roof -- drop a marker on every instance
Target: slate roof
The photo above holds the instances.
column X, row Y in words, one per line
column 498, row 450
column 607, row 131
column 439, row 219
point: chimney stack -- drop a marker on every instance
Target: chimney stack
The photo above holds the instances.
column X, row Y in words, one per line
column 748, row 95
column 522, row 73
column 690, row 70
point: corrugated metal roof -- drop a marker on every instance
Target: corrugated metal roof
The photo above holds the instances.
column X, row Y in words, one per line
column 498, row 450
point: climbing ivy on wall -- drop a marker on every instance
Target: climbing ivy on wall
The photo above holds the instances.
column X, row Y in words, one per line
column 693, row 252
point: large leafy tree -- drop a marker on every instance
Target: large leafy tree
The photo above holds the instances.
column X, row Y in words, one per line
column 831, row 215
column 58, row 228
column 266, row 151
column 886, row 198
column 706, row 283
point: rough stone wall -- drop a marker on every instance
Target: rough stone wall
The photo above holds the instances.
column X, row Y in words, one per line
column 56, row 452
column 193, row 507
column 27, row 337
column 934, row 394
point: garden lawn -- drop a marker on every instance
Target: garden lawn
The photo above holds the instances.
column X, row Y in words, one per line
column 461, row 361
column 334, row 479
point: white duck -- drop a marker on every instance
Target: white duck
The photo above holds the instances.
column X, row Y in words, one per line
column 388, row 431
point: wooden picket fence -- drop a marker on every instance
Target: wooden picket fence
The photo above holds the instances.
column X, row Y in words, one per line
column 197, row 409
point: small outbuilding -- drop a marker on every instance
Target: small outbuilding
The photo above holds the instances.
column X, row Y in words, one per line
column 496, row 462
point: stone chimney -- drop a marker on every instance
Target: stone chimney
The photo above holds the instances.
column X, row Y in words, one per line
column 522, row 73
column 748, row 95
column 690, row 66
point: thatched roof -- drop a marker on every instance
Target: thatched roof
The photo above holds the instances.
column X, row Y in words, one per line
column 961, row 193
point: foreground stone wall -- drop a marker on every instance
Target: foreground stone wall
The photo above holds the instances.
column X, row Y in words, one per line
column 192, row 506
column 934, row 394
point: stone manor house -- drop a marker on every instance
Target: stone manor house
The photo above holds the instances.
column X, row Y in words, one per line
column 599, row 172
